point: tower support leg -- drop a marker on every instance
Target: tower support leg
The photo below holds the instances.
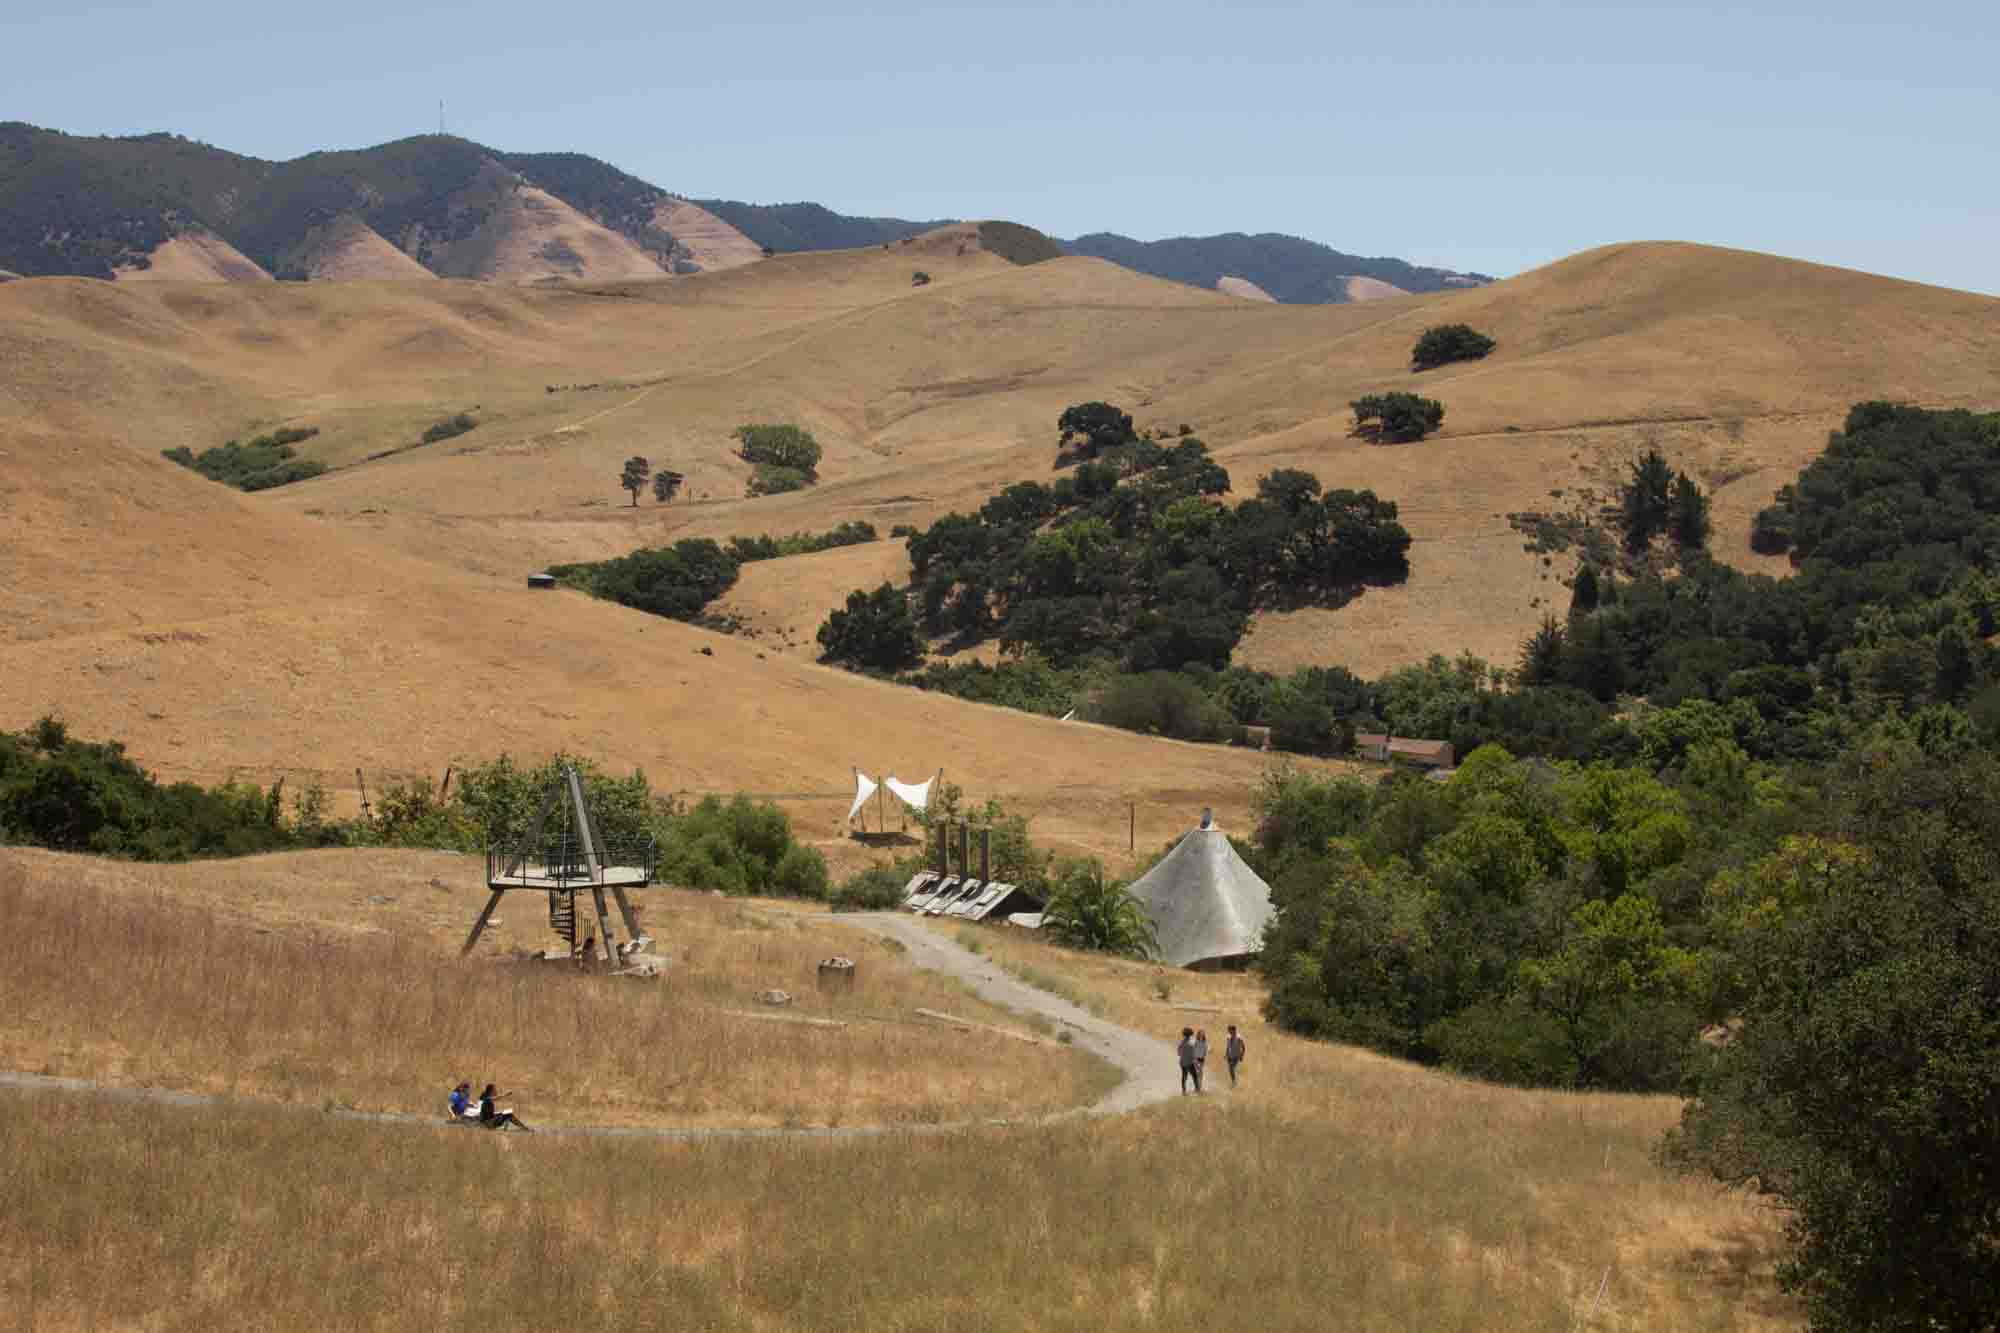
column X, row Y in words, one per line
column 479, row 926
column 603, row 924
column 625, row 910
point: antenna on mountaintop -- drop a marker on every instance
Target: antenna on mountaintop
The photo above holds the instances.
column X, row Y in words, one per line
column 440, row 117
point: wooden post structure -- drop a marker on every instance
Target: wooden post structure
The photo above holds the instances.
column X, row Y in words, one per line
column 603, row 924
column 479, row 926
column 625, row 910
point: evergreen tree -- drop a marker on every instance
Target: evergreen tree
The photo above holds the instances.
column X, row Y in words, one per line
column 1688, row 523
column 1542, row 655
column 1645, row 501
column 1954, row 663
column 1583, row 595
column 635, row 476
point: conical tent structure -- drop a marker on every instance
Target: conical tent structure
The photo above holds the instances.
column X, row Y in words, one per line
column 1207, row 906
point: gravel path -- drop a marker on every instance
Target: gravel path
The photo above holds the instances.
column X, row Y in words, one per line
column 1147, row 1062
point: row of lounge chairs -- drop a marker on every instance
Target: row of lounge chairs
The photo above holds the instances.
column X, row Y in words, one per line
column 932, row 894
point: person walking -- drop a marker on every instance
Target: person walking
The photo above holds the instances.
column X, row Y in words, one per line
column 1232, row 1051
column 1189, row 1068
column 1200, row 1054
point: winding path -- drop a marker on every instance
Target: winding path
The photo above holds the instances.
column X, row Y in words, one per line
column 1147, row 1062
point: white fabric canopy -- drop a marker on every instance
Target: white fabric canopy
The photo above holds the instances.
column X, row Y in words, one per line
column 915, row 795
column 864, row 787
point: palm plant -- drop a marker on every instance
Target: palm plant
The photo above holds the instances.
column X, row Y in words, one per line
column 1088, row 911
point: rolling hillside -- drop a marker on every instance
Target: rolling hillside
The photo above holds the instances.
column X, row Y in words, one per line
column 377, row 616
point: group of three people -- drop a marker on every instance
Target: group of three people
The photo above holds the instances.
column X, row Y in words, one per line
column 484, row 1111
column 1194, row 1055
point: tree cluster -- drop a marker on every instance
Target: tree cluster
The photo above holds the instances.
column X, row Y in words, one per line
column 1131, row 555
column 1885, row 624
column 1397, row 417
column 1860, row 1090
column 1656, row 499
column 874, row 632
column 256, row 465
column 1525, row 922
column 747, row 550
column 676, row 581
column 783, row 458
column 1441, row 344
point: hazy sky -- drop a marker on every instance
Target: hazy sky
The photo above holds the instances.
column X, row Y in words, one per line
column 1489, row 137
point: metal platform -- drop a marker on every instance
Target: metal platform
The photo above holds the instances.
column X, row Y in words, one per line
column 565, row 857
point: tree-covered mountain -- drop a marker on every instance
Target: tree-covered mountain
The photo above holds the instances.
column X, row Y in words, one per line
column 787, row 228
column 1291, row 269
column 98, row 206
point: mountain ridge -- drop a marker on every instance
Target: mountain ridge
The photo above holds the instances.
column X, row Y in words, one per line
column 111, row 206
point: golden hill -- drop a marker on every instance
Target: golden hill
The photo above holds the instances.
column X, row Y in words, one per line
column 711, row 244
column 196, row 255
column 377, row 616
column 346, row 249
column 1244, row 288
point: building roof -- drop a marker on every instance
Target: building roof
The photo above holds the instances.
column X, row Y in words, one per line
column 1205, row 903
column 1411, row 746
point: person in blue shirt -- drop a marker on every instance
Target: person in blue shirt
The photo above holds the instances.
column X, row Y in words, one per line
column 461, row 1101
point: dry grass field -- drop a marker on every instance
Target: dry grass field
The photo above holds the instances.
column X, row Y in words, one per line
column 277, row 978
column 1332, row 1189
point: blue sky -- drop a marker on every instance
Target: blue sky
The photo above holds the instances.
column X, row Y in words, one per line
column 1487, row 137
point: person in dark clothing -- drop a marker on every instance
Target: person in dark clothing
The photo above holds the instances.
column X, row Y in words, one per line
column 1190, row 1067
column 493, row 1117
column 1232, row 1051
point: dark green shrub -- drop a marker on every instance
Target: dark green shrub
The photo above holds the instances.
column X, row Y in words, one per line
column 1161, row 703
column 769, row 479
column 876, row 889
column 1445, row 343
column 747, row 550
column 449, row 428
column 1398, row 417
column 262, row 463
column 740, row 846
column 783, row 446
column 875, row 631
column 675, row 581
column 1505, row 1041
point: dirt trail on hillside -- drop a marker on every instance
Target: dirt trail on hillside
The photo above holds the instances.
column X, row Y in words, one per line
column 1147, row 1062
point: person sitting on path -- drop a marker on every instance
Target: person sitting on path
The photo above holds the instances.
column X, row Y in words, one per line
column 1189, row 1069
column 1232, row 1051
column 494, row 1117
column 461, row 1103
column 1200, row 1054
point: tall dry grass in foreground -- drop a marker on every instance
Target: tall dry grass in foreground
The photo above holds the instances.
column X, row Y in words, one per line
column 1436, row 1213
column 134, row 987
column 1552, row 1183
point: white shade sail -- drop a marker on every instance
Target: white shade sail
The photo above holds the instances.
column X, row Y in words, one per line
column 864, row 787
column 915, row 795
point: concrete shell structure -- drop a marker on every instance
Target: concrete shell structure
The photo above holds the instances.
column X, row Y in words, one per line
column 1208, row 908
